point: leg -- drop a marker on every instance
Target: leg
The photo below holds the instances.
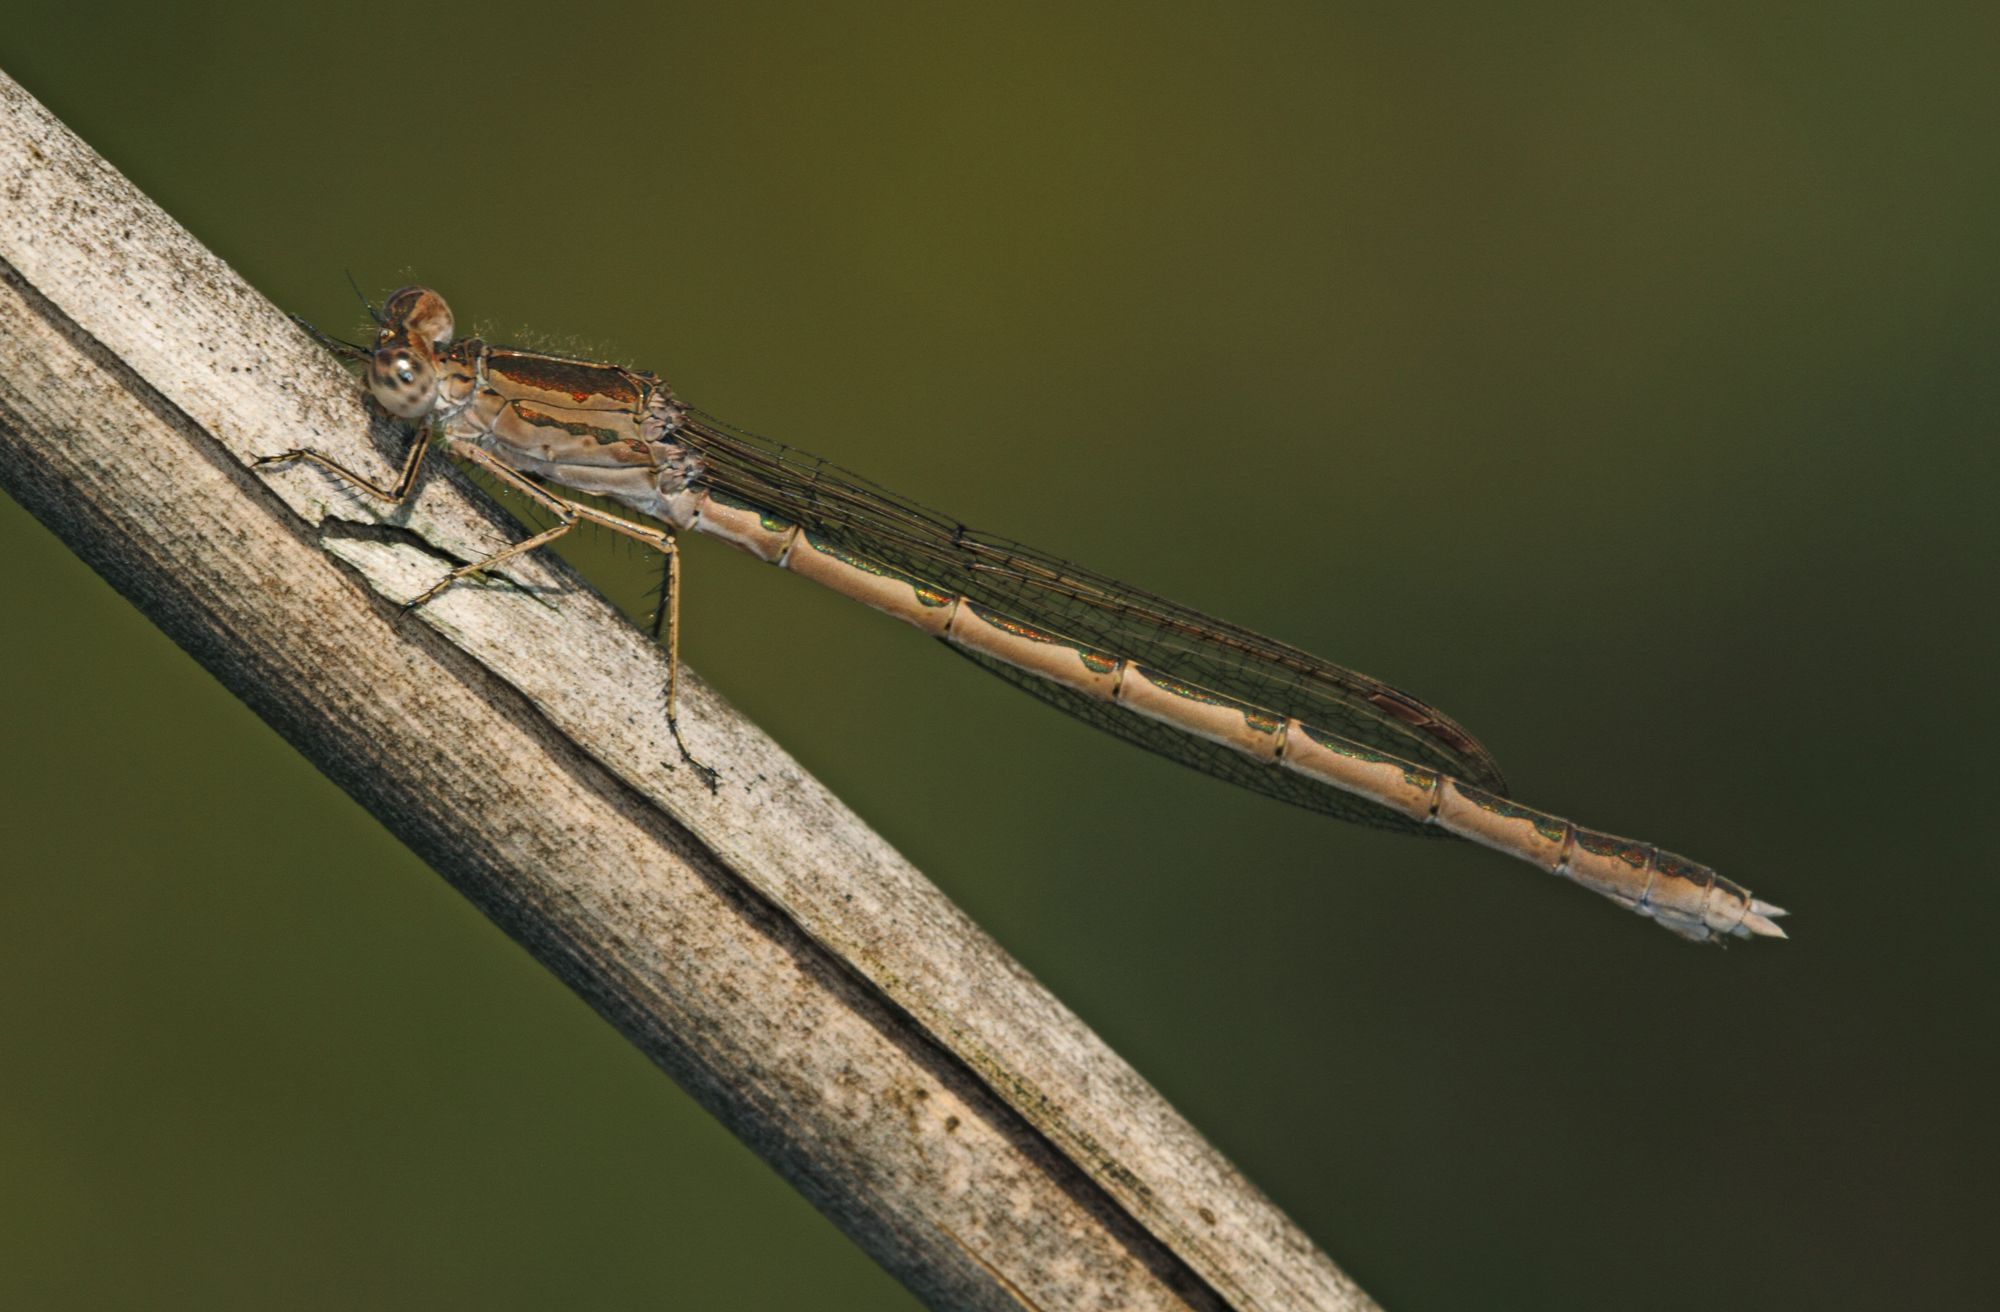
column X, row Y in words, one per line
column 654, row 625
column 570, row 513
column 671, row 603
column 521, row 548
column 565, row 511
column 395, row 496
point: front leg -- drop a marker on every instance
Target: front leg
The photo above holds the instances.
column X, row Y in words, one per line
column 413, row 463
column 566, row 513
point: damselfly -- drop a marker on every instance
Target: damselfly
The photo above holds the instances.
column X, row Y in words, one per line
column 1199, row 690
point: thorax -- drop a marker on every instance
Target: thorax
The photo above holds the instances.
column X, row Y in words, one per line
column 594, row 427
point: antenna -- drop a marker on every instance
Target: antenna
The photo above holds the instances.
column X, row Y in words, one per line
column 367, row 304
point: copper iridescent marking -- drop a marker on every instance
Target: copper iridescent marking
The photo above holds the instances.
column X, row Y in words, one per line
column 1632, row 853
column 1158, row 674
column 1096, row 662
column 1679, row 867
column 1261, row 720
column 1099, row 663
column 1015, row 627
column 1548, row 826
column 771, row 522
column 1333, row 742
column 930, row 596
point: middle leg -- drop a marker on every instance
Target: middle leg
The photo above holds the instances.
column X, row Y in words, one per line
column 569, row 514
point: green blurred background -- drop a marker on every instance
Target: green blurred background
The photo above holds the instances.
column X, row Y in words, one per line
column 1620, row 379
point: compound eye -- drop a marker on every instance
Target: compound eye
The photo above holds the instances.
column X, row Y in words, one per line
column 405, row 384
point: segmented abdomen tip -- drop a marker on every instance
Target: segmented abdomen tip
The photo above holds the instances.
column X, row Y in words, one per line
column 1761, row 918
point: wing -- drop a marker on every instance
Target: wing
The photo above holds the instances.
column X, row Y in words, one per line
column 1095, row 610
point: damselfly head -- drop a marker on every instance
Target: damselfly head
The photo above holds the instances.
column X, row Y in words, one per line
column 403, row 372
